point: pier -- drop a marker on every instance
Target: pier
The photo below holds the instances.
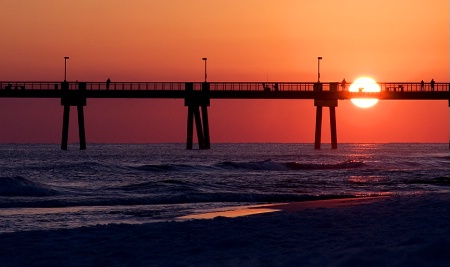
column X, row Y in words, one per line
column 197, row 96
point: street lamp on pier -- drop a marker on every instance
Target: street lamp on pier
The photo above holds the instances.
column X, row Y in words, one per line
column 65, row 67
column 318, row 69
column 205, row 66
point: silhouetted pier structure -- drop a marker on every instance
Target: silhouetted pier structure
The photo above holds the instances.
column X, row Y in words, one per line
column 197, row 97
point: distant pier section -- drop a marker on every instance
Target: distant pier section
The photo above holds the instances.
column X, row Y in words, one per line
column 197, row 97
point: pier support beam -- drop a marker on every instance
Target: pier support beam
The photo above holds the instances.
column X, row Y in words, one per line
column 207, row 142
column 331, row 104
column 199, row 128
column 81, row 132
column 318, row 134
column 196, row 100
column 65, row 129
column 190, row 127
column 73, row 98
column 333, row 127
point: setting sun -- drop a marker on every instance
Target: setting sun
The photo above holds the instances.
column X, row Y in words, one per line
column 364, row 84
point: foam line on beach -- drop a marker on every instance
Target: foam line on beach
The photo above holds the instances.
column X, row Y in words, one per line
column 233, row 212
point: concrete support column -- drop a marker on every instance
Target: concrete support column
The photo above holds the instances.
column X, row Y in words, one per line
column 331, row 103
column 196, row 100
column 65, row 128
column 81, row 131
column 73, row 98
column 207, row 142
column 318, row 127
column 199, row 128
column 333, row 127
column 190, row 128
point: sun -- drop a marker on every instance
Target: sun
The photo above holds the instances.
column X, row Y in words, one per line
column 364, row 84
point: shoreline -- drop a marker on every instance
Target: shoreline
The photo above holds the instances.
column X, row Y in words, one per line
column 239, row 211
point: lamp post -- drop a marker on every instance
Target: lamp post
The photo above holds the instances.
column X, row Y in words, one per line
column 205, row 66
column 318, row 69
column 65, row 67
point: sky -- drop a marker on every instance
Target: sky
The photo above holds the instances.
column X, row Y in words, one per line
column 145, row 40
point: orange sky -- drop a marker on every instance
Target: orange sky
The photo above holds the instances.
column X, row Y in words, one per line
column 392, row 41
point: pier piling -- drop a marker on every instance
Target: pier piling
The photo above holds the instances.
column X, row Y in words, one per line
column 65, row 129
column 196, row 100
column 318, row 127
column 331, row 104
column 333, row 127
column 73, row 98
column 81, row 131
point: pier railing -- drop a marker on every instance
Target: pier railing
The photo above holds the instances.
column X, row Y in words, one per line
column 220, row 86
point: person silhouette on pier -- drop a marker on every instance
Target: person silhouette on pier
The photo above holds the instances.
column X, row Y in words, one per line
column 343, row 84
column 432, row 84
column 266, row 87
column 422, row 85
column 108, row 81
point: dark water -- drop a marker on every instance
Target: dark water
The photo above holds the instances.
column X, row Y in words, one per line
column 42, row 187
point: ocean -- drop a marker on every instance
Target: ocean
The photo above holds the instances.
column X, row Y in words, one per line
column 44, row 188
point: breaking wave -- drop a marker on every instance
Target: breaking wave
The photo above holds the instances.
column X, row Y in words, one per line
column 267, row 165
column 174, row 199
column 444, row 181
column 19, row 186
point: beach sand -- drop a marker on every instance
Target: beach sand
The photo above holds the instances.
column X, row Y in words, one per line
column 390, row 231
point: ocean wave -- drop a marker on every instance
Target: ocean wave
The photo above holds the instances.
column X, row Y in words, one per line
column 173, row 199
column 350, row 164
column 152, row 185
column 82, row 166
column 269, row 165
column 444, row 181
column 163, row 167
column 266, row 165
column 19, row 186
